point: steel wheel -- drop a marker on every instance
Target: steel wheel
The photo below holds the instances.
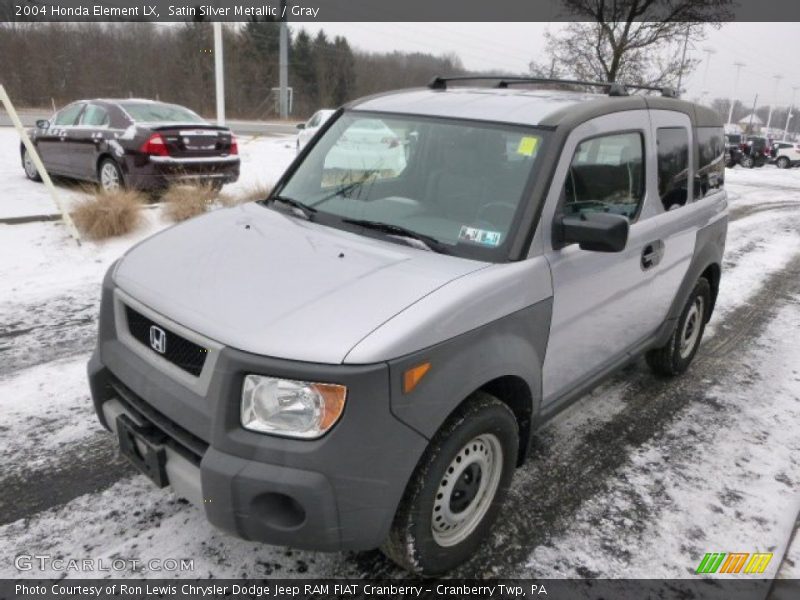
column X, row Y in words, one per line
column 467, row 489
column 690, row 333
column 30, row 167
column 110, row 178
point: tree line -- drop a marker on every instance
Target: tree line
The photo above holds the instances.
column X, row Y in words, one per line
column 45, row 64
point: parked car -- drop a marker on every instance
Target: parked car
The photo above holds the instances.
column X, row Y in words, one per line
column 310, row 127
column 133, row 143
column 362, row 359
column 755, row 152
column 733, row 150
column 786, row 154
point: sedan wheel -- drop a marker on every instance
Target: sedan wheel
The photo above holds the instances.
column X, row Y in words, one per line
column 30, row 167
column 110, row 176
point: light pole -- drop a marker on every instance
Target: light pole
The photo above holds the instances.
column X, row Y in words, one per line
column 789, row 114
column 283, row 65
column 738, row 66
column 777, row 79
column 219, row 73
column 709, row 52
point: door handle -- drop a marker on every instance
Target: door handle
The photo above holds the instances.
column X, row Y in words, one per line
column 651, row 255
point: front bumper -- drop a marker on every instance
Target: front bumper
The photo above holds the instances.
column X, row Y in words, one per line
column 338, row 492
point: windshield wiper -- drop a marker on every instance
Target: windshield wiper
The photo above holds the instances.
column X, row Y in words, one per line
column 431, row 243
column 307, row 211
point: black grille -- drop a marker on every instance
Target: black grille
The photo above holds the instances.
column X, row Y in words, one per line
column 178, row 350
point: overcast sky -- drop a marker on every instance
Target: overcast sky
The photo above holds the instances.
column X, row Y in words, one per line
column 767, row 49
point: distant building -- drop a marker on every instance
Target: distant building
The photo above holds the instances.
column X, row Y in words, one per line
column 751, row 123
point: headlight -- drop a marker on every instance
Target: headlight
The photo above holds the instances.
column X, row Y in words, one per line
column 291, row 408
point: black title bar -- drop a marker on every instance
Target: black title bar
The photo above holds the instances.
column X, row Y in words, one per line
column 365, row 10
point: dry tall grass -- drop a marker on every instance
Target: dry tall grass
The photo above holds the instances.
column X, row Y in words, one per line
column 182, row 202
column 109, row 214
column 254, row 193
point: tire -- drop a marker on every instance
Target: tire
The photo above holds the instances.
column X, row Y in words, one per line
column 783, row 163
column 30, row 168
column 676, row 355
column 747, row 162
column 479, row 442
column 110, row 175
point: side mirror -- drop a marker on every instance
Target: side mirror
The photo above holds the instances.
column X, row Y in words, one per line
column 598, row 232
column 42, row 123
column 301, row 126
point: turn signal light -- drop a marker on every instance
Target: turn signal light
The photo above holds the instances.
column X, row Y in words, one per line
column 413, row 376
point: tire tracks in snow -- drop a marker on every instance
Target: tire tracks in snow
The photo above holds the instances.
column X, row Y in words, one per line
column 41, row 332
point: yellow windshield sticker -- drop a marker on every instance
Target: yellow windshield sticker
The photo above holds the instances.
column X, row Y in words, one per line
column 527, row 146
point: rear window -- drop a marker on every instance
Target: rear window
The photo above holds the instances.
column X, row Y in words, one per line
column 673, row 166
column 155, row 112
column 711, row 164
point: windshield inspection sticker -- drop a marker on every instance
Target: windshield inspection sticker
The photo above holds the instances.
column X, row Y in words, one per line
column 527, row 146
column 479, row 236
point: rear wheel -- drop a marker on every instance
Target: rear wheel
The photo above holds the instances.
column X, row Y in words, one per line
column 677, row 354
column 782, row 162
column 110, row 176
column 456, row 491
column 747, row 162
column 30, row 167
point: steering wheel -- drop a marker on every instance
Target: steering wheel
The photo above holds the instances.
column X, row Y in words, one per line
column 496, row 210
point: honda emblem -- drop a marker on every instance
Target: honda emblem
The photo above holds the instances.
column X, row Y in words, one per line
column 158, row 339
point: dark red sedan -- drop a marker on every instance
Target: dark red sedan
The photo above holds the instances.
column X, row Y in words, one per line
column 132, row 143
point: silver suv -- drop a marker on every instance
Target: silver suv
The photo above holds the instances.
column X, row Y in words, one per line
column 362, row 359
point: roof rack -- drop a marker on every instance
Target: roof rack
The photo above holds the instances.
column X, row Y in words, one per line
column 614, row 89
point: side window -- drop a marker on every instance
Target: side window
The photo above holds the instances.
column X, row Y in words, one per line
column 95, row 116
column 673, row 166
column 711, row 164
column 606, row 175
column 66, row 116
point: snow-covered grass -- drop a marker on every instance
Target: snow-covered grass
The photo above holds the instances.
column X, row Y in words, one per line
column 720, row 475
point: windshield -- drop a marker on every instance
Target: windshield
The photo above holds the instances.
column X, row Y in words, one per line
column 456, row 183
column 155, row 112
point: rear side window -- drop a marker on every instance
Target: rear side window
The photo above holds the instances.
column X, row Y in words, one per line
column 673, row 166
column 606, row 175
column 95, row 116
column 711, row 165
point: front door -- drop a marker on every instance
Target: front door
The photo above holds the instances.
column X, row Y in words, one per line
column 53, row 143
column 601, row 305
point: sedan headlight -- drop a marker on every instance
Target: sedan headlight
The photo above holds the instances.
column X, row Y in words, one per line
column 291, row 408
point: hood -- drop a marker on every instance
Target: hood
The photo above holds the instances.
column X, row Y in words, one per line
column 264, row 282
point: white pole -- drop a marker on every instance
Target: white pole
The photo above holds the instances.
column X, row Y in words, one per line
column 283, row 64
column 777, row 79
column 219, row 73
column 40, row 168
column 738, row 66
column 789, row 114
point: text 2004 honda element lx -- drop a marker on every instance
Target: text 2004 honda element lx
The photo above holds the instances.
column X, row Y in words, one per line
column 361, row 359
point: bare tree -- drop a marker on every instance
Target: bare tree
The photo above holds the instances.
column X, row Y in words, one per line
column 635, row 41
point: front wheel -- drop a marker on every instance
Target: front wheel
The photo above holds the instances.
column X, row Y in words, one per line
column 676, row 355
column 782, row 163
column 31, row 172
column 457, row 489
column 747, row 162
column 110, row 176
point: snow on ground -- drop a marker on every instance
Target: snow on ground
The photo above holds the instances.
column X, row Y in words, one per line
column 639, row 468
